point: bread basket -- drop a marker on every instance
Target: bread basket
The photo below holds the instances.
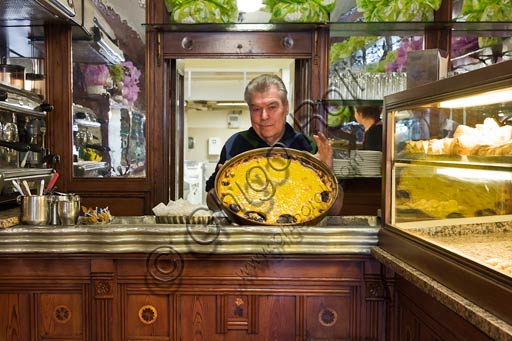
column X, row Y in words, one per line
column 275, row 186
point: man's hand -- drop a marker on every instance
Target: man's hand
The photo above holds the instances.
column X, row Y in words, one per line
column 324, row 149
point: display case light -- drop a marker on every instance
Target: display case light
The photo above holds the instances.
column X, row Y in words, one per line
column 474, row 174
column 490, row 97
column 231, row 104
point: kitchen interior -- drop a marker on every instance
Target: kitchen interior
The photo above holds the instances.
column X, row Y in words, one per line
column 106, row 140
column 215, row 109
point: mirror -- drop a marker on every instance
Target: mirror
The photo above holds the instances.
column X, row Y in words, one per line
column 109, row 109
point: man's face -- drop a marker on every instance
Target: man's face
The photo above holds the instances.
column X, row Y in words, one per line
column 268, row 114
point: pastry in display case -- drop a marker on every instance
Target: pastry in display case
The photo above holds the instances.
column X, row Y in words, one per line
column 449, row 165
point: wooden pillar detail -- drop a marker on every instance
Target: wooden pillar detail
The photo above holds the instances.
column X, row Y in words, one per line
column 220, row 321
column 300, row 321
column 253, row 314
column 374, row 301
column 104, row 284
column 58, row 41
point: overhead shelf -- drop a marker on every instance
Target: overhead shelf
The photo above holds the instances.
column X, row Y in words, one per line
column 345, row 29
column 22, row 110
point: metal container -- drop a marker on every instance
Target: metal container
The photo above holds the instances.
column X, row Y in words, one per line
column 68, row 208
column 34, row 209
column 306, row 160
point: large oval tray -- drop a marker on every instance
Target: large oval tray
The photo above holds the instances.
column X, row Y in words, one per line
column 276, row 186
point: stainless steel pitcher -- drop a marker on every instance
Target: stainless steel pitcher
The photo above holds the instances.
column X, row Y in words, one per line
column 34, row 209
column 68, row 208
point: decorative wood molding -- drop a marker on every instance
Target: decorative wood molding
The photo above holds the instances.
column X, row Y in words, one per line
column 103, row 288
column 253, row 314
column 237, row 312
column 220, row 316
column 375, row 290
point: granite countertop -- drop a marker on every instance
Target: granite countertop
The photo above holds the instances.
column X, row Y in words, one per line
column 487, row 243
column 334, row 235
column 491, row 325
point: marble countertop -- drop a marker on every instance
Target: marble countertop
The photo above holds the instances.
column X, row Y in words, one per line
column 334, row 235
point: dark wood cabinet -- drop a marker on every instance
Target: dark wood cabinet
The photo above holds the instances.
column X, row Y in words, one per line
column 44, row 299
column 123, row 297
column 217, row 297
column 420, row 317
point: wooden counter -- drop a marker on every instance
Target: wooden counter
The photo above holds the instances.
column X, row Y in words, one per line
column 136, row 280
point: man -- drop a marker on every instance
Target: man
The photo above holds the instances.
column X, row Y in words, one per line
column 267, row 98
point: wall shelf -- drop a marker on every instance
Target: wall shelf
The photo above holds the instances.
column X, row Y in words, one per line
column 346, row 29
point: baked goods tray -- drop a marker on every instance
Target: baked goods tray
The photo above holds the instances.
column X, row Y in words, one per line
column 429, row 157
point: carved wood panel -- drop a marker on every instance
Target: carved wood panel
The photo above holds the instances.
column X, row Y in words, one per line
column 15, row 317
column 278, row 318
column 61, row 316
column 147, row 316
column 331, row 317
column 196, row 318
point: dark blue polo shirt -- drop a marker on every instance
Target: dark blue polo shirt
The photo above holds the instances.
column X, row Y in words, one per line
column 249, row 140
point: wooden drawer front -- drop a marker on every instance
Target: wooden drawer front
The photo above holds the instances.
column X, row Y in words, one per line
column 178, row 44
column 15, row 317
column 61, row 316
column 147, row 317
column 330, row 317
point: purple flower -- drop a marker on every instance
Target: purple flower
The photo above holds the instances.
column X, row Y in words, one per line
column 95, row 74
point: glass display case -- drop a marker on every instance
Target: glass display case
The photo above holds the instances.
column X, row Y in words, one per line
column 448, row 178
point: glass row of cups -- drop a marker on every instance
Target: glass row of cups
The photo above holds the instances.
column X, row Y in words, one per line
column 362, row 85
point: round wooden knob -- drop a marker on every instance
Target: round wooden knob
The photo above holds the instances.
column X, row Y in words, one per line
column 287, row 42
column 187, row 43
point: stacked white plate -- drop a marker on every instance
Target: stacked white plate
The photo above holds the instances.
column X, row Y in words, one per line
column 367, row 163
column 342, row 168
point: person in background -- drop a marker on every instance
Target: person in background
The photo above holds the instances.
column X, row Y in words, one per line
column 369, row 118
column 267, row 98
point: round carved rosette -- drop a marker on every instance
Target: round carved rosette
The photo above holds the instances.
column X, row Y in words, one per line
column 327, row 317
column 148, row 314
